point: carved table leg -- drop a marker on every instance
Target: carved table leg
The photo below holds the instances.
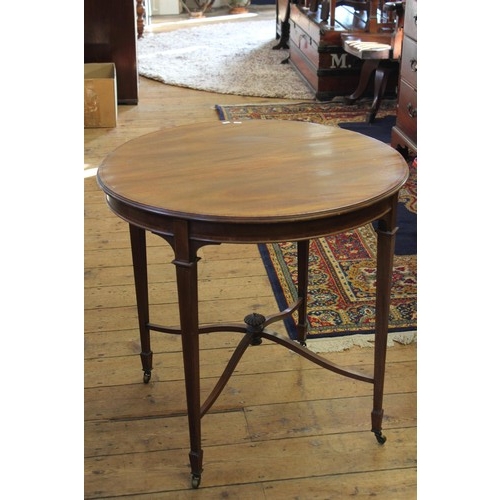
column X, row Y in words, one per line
column 139, row 259
column 285, row 36
column 380, row 83
column 284, row 19
column 385, row 252
column 369, row 66
column 140, row 11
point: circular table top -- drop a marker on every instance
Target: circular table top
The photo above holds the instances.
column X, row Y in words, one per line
column 252, row 171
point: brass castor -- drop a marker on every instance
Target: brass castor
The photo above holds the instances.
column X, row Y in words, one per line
column 195, row 481
column 380, row 437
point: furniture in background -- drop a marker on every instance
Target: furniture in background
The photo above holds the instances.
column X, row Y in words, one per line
column 142, row 13
column 250, row 188
column 316, row 48
column 404, row 133
column 282, row 24
column 110, row 35
column 378, row 57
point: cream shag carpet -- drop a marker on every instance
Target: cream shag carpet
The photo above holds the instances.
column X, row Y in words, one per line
column 227, row 58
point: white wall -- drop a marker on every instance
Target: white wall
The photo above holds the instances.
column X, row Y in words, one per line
column 165, row 7
column 172, row 7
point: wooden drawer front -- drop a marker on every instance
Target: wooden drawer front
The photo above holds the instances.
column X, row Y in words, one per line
column 304, row 43
column 411, row 19
column 407, row 110
column 409, row 62
column 306, row 24
column 303, row 66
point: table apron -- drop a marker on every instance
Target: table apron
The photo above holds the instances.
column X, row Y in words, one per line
column 207, row 232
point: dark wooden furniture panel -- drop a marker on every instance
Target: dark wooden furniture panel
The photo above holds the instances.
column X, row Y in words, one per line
column 404, row 133
column 409, row 61
column 411, row 19
column 110, row 35
column 406, row 118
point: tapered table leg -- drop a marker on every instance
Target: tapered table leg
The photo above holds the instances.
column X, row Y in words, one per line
column 385, row 254
column 139, row 259
column 302, row 284
column 187, row 289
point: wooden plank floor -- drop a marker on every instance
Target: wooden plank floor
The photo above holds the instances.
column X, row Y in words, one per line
column 282, row 428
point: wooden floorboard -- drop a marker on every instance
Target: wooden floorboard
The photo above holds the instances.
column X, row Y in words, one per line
column 282, row 428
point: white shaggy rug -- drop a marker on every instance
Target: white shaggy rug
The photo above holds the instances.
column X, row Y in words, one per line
column 340, row 344
column 227, row 58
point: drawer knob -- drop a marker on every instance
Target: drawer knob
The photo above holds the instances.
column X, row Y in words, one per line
column 413, row 65
column 411, row 110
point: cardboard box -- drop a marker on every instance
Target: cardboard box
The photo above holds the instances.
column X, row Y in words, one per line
column 100, row 103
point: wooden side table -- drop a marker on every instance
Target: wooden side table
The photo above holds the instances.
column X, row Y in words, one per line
column 252, row 182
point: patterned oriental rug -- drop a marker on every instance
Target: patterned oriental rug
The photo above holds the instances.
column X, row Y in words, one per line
column 341, row 295
column 330, row 113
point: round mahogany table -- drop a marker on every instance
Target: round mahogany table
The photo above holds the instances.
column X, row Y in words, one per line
column 255, row 181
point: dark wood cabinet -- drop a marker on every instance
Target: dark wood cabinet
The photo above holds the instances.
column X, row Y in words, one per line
column 110, row 35
column 404, row 133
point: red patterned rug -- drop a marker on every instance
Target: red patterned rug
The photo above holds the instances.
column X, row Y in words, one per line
column 341, row 298
column 330, row 113
column 341, row 294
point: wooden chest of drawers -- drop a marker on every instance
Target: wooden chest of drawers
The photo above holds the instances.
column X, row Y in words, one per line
column 404, row 133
